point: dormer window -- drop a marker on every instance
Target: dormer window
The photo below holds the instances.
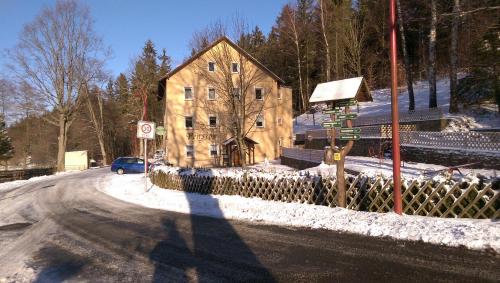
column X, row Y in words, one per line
column 211, row 66
column 235, row 67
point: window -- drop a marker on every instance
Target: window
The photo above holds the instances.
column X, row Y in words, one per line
column 214, row 150
column 211, row 94
column 280, row 121
column 235, row 67
column 212, row 121
column 259, row 122
column 259, row 94
column 279, row 94
column 236, row 93
column 211, row 66
column 190, row 150
column 189, row 122
column 188, row 93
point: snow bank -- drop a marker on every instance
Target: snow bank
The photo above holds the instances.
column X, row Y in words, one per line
column 473, row 234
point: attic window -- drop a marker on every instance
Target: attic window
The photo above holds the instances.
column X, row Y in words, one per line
column 211, row 66
column 235, row 67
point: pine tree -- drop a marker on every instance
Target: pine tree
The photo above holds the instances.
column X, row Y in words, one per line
column 6, row 148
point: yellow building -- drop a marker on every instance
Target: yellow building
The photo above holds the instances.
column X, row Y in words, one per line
column 216, row 94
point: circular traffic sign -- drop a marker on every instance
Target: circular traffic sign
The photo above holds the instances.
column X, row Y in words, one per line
column 146, row 128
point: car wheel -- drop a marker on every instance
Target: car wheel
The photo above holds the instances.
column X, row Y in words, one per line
column 120, row 171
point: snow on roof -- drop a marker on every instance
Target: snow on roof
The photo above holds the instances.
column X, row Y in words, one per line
column 342, row 89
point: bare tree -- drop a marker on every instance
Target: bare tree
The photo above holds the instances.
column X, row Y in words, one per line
column 57, row 54
column 323, row 18
column 454, row 57
column 292, row 30
column 406, row 58
column 432, row 56
column 354, row 39
column 95, row 107
column 237, row 108
column 7, row 95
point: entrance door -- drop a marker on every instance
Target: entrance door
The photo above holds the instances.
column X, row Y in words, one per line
column 235, row 156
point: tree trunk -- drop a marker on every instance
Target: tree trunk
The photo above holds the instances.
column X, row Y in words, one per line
column 62, row 139
column 454, row 57
column 327, row 46
column 406, row 59
column 432, row 57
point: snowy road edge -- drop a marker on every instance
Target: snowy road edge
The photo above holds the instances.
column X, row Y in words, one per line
column 470, row 233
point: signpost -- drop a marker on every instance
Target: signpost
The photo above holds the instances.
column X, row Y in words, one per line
column 146, row 131
column 340, row 96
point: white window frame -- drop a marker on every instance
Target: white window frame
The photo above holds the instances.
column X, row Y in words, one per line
column 210, row 149
column 261, row 93
column 192, row 122
column 192, row 150
column 208, row 93
column 208, row 66
column 216, row 121
column 192, row 93
column 237, row 67
column 263, row 121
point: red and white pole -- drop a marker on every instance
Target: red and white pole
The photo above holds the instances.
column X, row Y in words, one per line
column 396, row 158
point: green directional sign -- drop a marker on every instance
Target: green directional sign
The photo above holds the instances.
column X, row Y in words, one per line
column 332, row 124
column 350, row 102
column 160, row 131
column 350, row 130
column 349, row 137
column 348, row 116
column 336, row 110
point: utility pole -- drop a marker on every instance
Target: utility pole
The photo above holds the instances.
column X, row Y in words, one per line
column 396, row 158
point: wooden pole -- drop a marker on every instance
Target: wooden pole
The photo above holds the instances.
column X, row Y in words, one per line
column 396, row 159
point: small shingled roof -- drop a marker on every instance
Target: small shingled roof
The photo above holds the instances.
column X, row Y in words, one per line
column 341, row 90
column 235, row 46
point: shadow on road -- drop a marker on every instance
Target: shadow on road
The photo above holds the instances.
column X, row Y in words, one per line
column 209, row 250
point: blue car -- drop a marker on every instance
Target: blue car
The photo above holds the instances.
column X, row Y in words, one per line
column 128, row 165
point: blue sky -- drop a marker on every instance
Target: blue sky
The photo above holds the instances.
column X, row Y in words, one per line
column 125, row 24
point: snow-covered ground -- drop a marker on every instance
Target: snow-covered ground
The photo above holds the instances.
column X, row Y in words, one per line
column 368, row 166
column 473, row 234
column 483, row 116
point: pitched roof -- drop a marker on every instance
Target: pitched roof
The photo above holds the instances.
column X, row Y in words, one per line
column 232, row 44
column 340, row 90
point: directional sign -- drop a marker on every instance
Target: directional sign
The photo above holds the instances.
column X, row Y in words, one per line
column 333, row 124
column 348, row 116
column 344, row 103
column 350, row 130
column 160, row 131
column 336, row 110
column 349, row 137
column 145, row 130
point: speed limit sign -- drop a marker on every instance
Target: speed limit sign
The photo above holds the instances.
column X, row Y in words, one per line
column 145, row 130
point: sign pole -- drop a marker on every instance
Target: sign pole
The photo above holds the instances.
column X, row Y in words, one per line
column 145, row 165
column 396, row 158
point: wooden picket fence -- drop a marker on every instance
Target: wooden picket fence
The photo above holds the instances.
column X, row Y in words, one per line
column 430, row 198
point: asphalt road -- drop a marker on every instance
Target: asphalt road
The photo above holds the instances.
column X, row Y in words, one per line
column 65, row 229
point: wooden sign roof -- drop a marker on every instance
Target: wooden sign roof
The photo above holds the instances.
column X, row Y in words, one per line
column 353, row 88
